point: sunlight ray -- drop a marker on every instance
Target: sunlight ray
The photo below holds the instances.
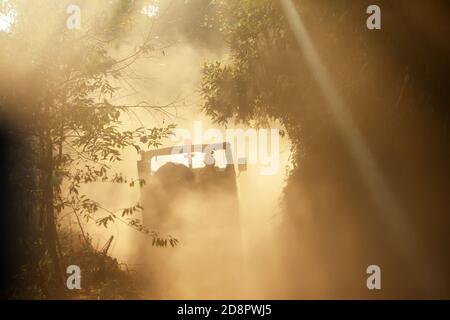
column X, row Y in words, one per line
column 393, row 215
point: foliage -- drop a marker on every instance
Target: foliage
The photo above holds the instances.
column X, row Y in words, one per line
column 62, row 96
column 256, row 83
column 103, row 277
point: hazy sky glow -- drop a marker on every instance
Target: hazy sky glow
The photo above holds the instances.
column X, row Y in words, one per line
column 150, row 10
column 7, row 19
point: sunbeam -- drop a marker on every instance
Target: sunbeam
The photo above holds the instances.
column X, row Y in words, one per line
column 392, row 214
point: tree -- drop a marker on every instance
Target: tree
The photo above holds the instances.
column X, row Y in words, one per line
column 390, row 79
column 60, row 97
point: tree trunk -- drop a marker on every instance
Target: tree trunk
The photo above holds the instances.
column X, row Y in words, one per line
column 50, row 223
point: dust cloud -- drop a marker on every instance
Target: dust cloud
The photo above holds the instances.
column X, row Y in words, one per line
column 213, row 260
column 312, row 237
column 201, row 266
